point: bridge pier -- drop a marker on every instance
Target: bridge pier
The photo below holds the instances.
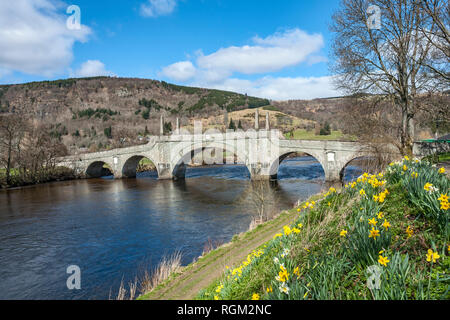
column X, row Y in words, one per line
column 333, row 175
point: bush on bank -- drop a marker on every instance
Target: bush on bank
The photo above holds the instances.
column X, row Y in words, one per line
column 383, row 236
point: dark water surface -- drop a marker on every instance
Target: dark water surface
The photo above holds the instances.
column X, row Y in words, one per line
column 115, row 229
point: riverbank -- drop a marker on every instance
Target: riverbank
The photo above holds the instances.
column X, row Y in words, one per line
column 391, row 228
column 20, row 180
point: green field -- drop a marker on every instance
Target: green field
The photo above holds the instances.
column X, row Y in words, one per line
column 302, row 134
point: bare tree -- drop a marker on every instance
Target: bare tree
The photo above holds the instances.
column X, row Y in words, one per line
column 388, row 60
column 439, row 11
column 11, row 134
column 38, row 153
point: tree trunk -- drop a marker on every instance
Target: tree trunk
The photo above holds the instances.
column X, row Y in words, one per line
column 407, row 132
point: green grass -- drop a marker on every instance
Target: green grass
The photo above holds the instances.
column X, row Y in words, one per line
column 302, row 134
column 441, row 157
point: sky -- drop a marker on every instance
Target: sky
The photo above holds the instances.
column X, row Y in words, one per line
column 272, row 49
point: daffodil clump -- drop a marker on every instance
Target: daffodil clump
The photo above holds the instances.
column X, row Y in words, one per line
column 381, row 237
column 427, row 188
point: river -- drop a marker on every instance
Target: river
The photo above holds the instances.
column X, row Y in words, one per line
column 115, row 229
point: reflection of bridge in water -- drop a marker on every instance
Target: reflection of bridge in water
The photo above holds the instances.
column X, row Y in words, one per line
column 260, row 151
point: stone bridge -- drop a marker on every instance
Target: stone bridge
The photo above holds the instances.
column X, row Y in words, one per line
column 260, row 151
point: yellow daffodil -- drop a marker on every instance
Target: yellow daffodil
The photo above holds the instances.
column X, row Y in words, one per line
column 374, row 233
column 380, row 215
column 427, row 186
column 343, row 233
column 373, row 222
column 409, row 231
column 255, row 296
column 219, row 288
column 383, row 260
column 405, row 167
column 296, row 272
column 287, row 230
column 362, row 192
column 386, row 224
column 442, row 170
column 432, row 256
column 283, row 275
column 269, row 289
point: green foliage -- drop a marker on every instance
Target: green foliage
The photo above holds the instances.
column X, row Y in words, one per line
column 425, row 188
column 325, row 130
column 58, row 131
column 167, row 127
column 257, row 102
column 150, row 104
column 108, row 132
column 97, row 113
column 271, row 108
column 232, row 126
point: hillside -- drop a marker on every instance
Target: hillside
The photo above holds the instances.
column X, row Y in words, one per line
column 81, row 111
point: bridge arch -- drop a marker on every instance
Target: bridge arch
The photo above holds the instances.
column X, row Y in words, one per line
column 97, row 169
column 182, row 156
column 276, row 163
column 129, row 168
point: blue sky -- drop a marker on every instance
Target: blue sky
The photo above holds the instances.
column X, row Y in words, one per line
column 273, row 49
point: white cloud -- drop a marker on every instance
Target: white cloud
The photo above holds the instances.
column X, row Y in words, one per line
column 156, row 8
column 92, row 68
column 270, row 54
column 180, row 71
column 266, row 55
column 34, row 38
column 279, row 88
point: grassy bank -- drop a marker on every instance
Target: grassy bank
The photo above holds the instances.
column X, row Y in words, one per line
column 20, row 178
column 381, row 237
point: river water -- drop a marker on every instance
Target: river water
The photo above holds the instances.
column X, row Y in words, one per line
column 115, row 229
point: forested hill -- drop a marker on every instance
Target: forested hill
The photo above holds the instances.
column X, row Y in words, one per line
column 80, row 110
